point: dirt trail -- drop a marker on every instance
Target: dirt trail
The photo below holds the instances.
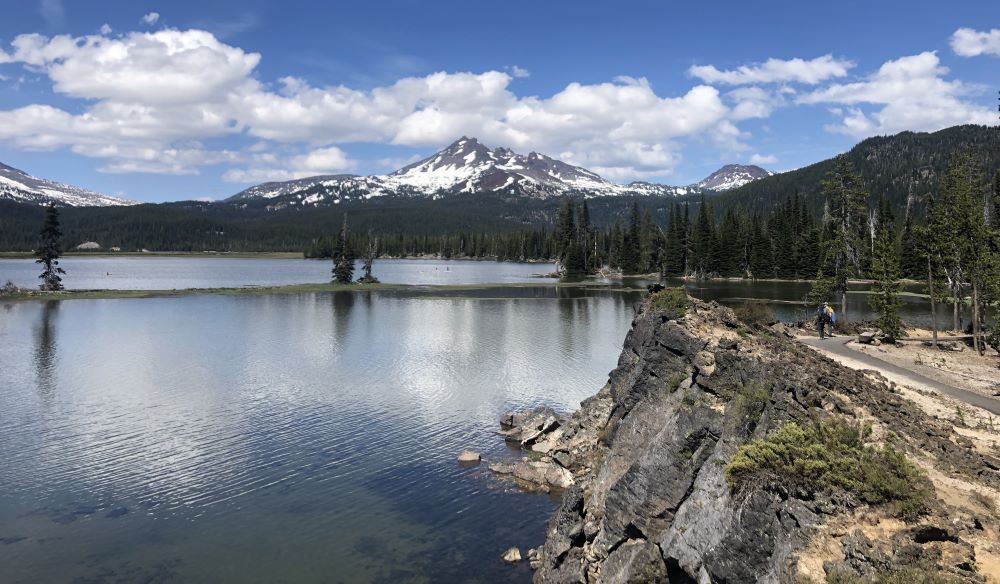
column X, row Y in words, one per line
column 839, row 346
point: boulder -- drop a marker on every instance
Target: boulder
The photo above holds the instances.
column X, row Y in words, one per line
column 512, row 555
column 469, row 456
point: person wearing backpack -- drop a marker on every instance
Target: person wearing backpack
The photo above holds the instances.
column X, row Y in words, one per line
column 825, row 316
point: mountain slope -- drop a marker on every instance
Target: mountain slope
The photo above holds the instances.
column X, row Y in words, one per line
column 465, row 166
column 732, row 176
column 17, row 185
column 902, row 169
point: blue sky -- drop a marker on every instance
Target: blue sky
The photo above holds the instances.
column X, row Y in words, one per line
column 181, row 100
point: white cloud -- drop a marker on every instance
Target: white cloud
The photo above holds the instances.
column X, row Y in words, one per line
column 754, row 102
column 149, row 101
column 763, row 159
column 519, row 71
column 151, row 18
column 105, row 29
column 913, row 95
column 967, row 42
column 268, row 167
column 776, row 71
column 164, row 67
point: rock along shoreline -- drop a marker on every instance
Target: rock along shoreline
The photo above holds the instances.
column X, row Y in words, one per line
column 642, row 466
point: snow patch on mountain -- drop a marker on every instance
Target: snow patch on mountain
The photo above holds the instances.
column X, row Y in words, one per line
column 465, row 166
column 731, row 176
column 17, row 185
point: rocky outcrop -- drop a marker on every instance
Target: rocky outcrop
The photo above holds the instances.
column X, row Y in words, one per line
column 642, row 463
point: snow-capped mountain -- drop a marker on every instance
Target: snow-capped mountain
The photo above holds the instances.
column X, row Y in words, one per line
column 17, row 185
column 467, row 166
column 731, row 176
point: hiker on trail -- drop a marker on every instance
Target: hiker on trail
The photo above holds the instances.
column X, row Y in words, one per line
column 825, row 316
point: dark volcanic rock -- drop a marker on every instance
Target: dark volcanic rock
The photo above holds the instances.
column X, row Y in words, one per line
column 650, row 501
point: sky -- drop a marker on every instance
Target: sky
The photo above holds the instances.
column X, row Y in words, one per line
column 161, row 101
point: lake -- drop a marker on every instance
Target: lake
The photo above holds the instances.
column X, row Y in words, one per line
column 291, row 438
column 169, row 273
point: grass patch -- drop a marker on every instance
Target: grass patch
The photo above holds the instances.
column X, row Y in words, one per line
column 755, row 313
column 673, row 301
column 831, row 456
column 675, row 381
column 907, row 576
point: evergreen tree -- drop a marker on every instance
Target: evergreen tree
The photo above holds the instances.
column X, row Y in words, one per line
column 631, row 254
column 49, row 250
column 369, row 260
column 884, row 298
column 730, row 245
column 844, row 249
column 702, row 243
column 615, row 246
column 912, row 262
column 343, row 257
column 761, row 258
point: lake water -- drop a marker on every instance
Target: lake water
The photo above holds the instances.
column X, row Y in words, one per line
column 169, row 273
column 285, row 438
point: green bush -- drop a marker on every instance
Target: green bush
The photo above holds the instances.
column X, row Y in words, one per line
column 748, row 405
column 830, row 456
column 755, row 313
column 673, row 301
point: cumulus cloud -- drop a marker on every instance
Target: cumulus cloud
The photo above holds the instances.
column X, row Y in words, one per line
column 268, row 167
column 164, row 67
column 150, row 18
column 519, row 71
column 967, row 42
column 156, row 89
column 776, row 71
column 912, row 94
column 154, row 101
column 763, row 159
column 105, row 29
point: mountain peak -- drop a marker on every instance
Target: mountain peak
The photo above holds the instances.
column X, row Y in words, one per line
column 464, row 166
column 731, row 176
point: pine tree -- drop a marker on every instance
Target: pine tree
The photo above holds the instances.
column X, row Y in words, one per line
column 844, row 250
column 343, row 257
column 911, row 261
column 369, row 260
column 703, row 245
column 884, row 298
column 49, row 250
column 631, row 254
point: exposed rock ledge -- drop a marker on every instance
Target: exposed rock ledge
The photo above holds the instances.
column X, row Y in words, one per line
column 643, row 466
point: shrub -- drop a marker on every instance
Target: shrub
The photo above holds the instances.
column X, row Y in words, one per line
column 9, row 289
column 755, row 313
column 831, row 456
column 673, row 301
column 748, row 405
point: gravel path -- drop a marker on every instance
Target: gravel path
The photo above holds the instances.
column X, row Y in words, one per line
column 839, row 346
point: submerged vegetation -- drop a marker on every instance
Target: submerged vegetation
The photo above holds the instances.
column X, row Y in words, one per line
column 829, row 456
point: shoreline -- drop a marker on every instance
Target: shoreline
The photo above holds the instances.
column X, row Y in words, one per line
column 106, row 294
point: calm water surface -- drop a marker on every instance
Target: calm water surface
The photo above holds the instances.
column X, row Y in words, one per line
column 289, row 438
column 168, row 273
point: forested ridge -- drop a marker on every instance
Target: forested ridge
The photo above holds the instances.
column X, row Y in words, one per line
column 769, row 228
